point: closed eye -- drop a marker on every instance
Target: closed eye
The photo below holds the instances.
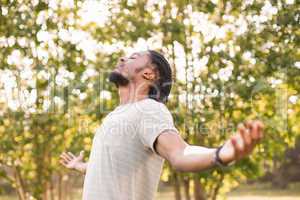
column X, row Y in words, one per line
column 133, row 56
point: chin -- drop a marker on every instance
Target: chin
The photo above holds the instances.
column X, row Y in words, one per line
column 117, row 78
column 116, row 70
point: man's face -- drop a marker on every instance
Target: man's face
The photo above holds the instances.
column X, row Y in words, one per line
column 130, row 69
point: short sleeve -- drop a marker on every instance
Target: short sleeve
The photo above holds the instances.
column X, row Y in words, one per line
column 155, row 119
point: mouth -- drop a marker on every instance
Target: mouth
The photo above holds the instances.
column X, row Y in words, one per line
column 119, row 67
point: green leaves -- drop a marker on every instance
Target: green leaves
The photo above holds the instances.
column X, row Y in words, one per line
column 232, row 62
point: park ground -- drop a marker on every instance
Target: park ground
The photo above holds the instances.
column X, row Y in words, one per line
column 244, row 192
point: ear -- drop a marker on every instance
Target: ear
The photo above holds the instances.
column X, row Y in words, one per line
column 148, row 74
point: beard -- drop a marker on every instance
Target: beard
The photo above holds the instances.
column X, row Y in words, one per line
column 118, row 79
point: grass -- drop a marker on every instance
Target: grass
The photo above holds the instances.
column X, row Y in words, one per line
column 250, row 192
column 265, row 192
column 244, row 192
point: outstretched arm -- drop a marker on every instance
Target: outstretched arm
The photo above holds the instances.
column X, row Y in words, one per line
column 71, row 161
column 188, row 158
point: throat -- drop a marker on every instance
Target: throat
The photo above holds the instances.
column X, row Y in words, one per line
column 131, row 95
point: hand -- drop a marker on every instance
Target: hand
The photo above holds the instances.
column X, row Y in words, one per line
column 242, row 144
column 72, row 162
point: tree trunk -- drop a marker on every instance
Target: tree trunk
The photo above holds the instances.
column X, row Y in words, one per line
column 176, row 186
column 19, row 184
column 45, row 191
column 217, row 188
column 52, row 191
column 59, row 187
column 198, row 190
column 186, row 184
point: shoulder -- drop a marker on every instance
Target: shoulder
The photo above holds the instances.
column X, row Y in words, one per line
column 154, row 110
column 153, row 106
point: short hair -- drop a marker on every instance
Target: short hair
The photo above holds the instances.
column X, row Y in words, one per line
column 161, row 88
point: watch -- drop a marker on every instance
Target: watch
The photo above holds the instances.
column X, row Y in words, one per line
column 218, row 161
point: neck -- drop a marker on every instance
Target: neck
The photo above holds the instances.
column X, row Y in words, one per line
column 130, row 94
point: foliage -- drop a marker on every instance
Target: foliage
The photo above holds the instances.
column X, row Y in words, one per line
column 232, row 61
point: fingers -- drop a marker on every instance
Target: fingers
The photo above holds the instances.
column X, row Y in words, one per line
column 252, row 133
column 66, row 156
column 71, row 155
column 261, row 128
column 245, row 134
column 63, row 162
column 256, row 130
column 247, row 125
column 236, row 147
column 239, row 146
column 249, row 134
column 81, row 154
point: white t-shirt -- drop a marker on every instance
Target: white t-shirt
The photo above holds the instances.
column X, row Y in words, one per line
column 123, row 164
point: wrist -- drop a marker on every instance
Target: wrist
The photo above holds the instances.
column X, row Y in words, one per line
column 80, row 167
column 220, row 159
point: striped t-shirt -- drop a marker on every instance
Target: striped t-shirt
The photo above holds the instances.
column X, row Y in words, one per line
column 123, row 164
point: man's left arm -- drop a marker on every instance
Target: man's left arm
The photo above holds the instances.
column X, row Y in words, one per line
column 189, row 158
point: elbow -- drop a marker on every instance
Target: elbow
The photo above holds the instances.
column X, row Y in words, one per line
column 180, row 164
column 177, row 161
column 183, row 168
column 177, row 165
column 179, row 169
column 174, row 161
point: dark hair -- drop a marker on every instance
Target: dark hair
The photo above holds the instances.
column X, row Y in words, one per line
column 160, row 90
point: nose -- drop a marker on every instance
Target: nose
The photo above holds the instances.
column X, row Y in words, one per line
column 122, row 59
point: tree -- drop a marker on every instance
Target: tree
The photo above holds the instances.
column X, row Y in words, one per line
column 232, row 61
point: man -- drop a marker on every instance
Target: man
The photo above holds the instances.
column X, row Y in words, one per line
column 130, row 146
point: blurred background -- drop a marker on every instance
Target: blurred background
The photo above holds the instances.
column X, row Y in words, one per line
column 232, row 61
